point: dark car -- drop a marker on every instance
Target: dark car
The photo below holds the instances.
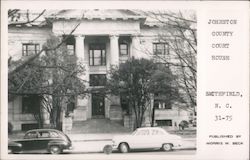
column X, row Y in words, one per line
column 39, row 140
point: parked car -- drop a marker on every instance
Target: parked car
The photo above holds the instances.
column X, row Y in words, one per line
column 147, row 138
column 39, row 140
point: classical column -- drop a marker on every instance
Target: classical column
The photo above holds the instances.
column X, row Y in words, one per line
column 80, row 113
column 114, row 50
column 135, row 47
column 115, row 111
column 79, row 50
column 79, row 46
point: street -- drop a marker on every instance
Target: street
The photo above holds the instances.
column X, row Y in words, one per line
column 156, row 152
column 80, row 147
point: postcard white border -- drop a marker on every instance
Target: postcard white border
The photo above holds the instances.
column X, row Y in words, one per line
column 198, row 6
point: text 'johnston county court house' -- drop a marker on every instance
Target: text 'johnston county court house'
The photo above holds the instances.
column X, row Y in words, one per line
column 103, row 38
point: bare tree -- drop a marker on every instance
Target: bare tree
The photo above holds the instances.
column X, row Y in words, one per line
column 178, row 31
column 51, row 73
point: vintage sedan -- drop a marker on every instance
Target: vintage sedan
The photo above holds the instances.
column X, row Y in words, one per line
column 41, row 140
column 147, row 138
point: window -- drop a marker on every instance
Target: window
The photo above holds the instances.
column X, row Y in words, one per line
column 97, row 55
column 123, row 49
column 142, row 132
column 157, row 132
column 70, row 106
column 44, row 134
column 161, row 105
column 70, row 44
column 97, row 79
column 53, row 134
column 30, row 104
column 160, row 48
column 29, row 126
column 70, row 49
column 31, row 135
column 30, row 49
column 166, row 122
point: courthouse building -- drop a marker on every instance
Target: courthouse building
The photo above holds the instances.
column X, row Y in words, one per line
column 103, row 38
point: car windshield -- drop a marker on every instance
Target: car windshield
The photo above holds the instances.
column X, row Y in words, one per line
column 64, row 136
column 134, row 132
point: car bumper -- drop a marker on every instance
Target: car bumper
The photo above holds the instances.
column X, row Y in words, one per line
column 115, row 146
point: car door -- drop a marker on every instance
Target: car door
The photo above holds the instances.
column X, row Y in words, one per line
column 157, row 137
column 141, row 139
column 29, row 143
column 43, row 140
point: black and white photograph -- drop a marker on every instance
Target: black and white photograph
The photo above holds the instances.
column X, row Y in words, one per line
column 102, row 81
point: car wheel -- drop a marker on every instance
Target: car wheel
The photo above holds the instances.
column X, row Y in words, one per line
column 55, row 150
column 167, row 147
column 124, row 148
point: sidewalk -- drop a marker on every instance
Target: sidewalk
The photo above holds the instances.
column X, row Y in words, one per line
column 94, row 137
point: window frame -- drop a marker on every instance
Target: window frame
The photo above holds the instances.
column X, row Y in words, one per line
column 33, row 133
column 127, row 49
column 70, row 51
column 165, row 106
column 25, row 50
column 92, row 55
column 29, row 109
column 165, row 122
column 156, row 49
column 91, row 84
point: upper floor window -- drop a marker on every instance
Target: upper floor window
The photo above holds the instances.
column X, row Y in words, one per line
column 30, row 49
column 160, row 48
column 70, row 44
column 70, row 49
column 123, row 48
column 97, row 55
column 97, row 79
column 161, row 105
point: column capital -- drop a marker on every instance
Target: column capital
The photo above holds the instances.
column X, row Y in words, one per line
column 79, row 36
column 113, row 36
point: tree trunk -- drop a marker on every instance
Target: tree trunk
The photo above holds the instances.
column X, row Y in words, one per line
column 153, row 117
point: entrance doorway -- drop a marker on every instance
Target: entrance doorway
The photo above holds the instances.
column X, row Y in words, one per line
column 98, row 106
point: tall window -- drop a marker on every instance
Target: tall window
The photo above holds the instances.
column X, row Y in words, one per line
column 97, row 55
column 160, row 48
column 31, row 103
column 70, row 44
column 123, row 48
column 30, row 49
column 70, row 49
column 97, row 79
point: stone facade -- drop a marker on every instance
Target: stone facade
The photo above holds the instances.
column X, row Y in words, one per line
column 111, row 31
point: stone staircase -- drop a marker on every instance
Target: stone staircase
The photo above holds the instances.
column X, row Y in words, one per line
column 101, row 125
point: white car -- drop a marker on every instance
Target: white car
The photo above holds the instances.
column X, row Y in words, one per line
column 147, row 138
